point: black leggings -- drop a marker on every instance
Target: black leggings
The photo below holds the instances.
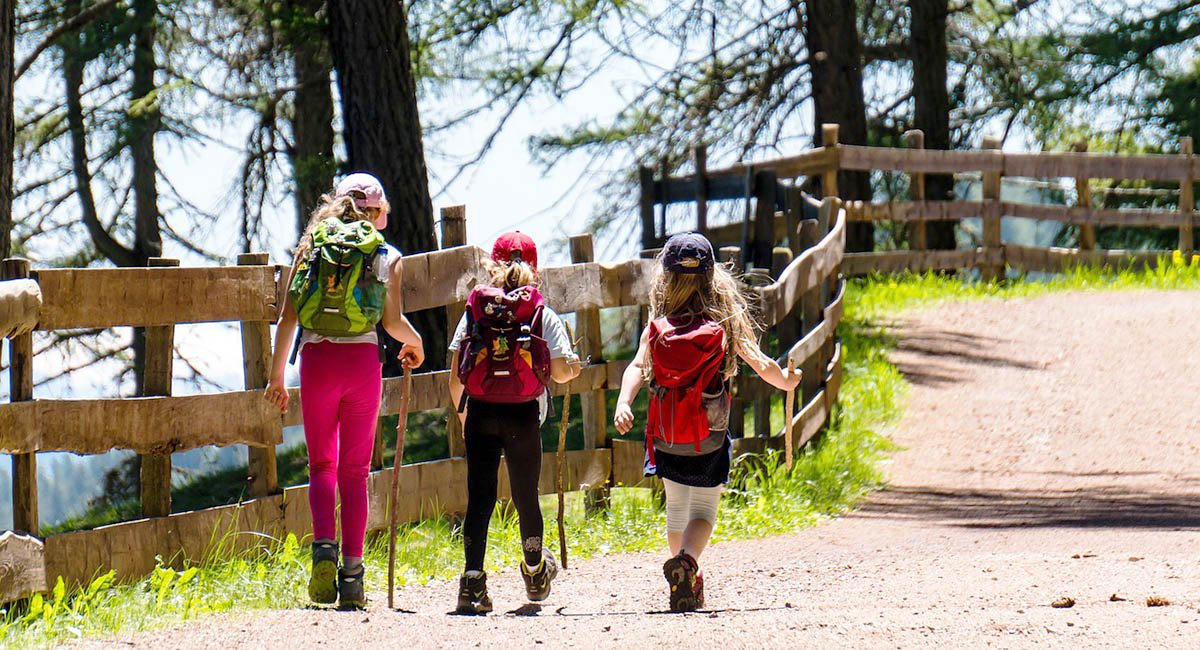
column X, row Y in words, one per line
column 515, row 430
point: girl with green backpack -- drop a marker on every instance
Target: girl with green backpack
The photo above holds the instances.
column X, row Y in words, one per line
column 344, row 284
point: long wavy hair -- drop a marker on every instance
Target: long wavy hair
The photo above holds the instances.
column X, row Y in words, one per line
column 716, row 295
column 343, row 208
column 510, row 275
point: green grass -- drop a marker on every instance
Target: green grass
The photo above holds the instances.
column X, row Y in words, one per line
column 763, row 497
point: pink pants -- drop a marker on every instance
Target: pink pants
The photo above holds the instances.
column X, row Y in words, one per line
column 340, row 387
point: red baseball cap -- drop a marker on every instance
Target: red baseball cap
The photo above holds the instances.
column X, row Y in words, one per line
column 515, row 245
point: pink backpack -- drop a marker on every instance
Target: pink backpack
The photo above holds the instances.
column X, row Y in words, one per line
column 503, row 357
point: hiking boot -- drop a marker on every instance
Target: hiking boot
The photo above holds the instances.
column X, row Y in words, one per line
column 680, row 572
column 350, row 589
column 537, row 580
column 699, row 590
column 322, row 583
column 472, row 595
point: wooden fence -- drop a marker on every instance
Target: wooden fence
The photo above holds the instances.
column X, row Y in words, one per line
column 804, row 305
column 989, row 163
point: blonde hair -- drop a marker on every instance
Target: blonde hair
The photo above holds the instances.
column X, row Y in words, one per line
column 510, row 275
column 715, row 295
column 341, row 207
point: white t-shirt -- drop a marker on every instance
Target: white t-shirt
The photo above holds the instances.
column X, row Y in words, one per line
column 556, row 337
column 388, row 256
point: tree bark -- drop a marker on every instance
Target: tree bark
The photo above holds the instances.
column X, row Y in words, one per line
column 931, row 99
column 383, row 130
column 143, row 124
column 7, row 135
column 835, row 55
column 313, row 164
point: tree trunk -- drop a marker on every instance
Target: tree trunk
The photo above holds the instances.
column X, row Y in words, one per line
column 313, row 165
column 931, row 101
column 7, row 29
column 383, row 130
column 143, row 124
column 835, row 53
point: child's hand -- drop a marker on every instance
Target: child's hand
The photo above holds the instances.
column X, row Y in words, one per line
column 411, row 356
column 791, row 377
column 623, row 418
column 277, row 394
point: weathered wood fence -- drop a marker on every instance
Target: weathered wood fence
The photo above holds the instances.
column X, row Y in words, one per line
column 989, row 163
column 803, row 304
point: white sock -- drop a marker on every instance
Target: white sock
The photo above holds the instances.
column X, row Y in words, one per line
column 473, row 573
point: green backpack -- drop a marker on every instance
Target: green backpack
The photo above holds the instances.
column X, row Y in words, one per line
column 335, row 290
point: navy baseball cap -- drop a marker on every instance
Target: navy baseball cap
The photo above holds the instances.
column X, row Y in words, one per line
column 688, row 252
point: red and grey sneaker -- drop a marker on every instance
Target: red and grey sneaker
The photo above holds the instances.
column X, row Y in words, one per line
column 681, row 572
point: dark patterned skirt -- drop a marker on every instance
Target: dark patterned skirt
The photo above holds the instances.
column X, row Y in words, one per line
column 705, row 470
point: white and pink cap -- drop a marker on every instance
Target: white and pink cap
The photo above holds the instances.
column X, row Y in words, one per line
column 365, row 189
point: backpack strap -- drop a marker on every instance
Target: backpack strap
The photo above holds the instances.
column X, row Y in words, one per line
column 296, row 345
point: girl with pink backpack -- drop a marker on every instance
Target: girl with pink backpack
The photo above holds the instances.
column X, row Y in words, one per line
column 700, row 326
column 506, row 349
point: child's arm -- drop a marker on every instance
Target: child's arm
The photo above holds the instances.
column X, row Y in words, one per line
column 396, row 323
column 565, row 369
column 456, row 390
column 285, row 336
column 631, row 383
column 768, row 369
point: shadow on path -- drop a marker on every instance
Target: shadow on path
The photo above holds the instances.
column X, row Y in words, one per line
column 1001, row 508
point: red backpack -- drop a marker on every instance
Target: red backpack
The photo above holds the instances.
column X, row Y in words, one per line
column 503, row 357
column 687, row 359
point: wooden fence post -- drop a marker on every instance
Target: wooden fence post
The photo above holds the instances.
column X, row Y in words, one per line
column 737, row 410
column 155, row 476
column 1187, row 203
column 591, row 349
column 256, row 363
column 785, row 336
column 24, row 466
column 701, row 159
column 1083, row 199
column 646, row 207
column 764, row 220
column 829, row 177
column 811, row 314
column 991, row 213
column 454, row 233
column 917, row 238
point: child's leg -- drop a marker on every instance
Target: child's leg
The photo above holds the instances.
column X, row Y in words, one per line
column 358, row 414
column 678, row 505
column 483, row 464
column 702, row 518
column 320, row 392
column 523, row 454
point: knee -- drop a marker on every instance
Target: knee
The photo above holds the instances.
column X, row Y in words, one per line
column 318, row 467
column 703, row 506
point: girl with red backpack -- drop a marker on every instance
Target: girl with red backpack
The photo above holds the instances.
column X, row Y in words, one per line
column 700, row 326
column 507, row 348
column 344, row 285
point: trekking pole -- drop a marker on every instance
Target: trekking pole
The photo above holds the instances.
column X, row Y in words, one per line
column 562, row 471
column 789, row 406
column 394, row 498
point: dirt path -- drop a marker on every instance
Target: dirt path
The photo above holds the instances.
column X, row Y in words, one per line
column 1051, row 451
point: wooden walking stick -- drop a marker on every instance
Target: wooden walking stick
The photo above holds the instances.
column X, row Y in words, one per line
column 394, row 495
column 788, row 408
column 562, row 472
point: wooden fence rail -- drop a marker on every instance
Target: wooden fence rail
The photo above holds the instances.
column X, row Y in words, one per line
column 161, row 297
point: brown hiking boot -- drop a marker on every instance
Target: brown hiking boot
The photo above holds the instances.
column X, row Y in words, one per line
column 537, row 581
column 473, row 595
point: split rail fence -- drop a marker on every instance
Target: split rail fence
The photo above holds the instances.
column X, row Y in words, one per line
column 803, row 304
